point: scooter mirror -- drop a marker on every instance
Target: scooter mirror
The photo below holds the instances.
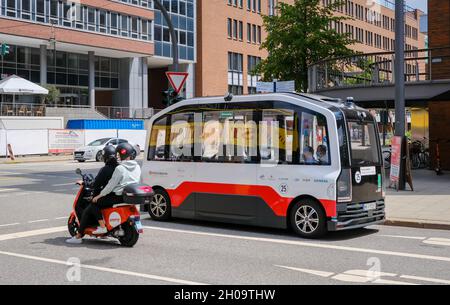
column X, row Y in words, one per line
column 78, row 171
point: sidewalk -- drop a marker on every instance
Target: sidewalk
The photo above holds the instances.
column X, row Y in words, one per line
column 427, row 207
column 36, row 159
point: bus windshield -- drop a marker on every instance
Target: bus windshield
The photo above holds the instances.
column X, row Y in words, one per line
column 364, row 146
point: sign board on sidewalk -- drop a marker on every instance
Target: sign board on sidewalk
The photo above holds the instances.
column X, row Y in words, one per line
column 287, row 86
column 264, row 87
column 177, row 80
column 276, row 86
column 396, row 154
column 64, row 140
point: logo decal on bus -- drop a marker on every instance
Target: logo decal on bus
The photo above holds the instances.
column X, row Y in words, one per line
column 358, row 177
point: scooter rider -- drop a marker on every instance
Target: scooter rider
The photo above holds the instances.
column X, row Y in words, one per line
column 85, row 209
column 128, row 172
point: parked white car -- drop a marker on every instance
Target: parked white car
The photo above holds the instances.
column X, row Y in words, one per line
column 93, row 151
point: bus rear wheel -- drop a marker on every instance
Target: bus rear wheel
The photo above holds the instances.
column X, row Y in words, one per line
column 160, row 207
column 308, row 219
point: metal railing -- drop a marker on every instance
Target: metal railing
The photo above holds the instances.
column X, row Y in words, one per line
column 111, row 112
column 374, row 69
column 22, row 109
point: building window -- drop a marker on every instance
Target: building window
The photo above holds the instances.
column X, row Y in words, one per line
column 235, row 72
column 252, row 78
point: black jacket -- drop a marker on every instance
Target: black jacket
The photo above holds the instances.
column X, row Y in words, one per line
column 103, row 177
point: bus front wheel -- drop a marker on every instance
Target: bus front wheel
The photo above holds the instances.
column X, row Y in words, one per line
column 160, row 207
column 308, row 219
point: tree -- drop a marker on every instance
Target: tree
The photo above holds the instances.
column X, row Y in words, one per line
column 53, row 95
column 300, row 35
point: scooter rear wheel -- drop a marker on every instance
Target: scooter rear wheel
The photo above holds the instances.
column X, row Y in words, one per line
column 72, row 226
column 130, row 237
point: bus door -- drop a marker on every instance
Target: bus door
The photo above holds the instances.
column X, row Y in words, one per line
column 172, row 154
column 226, row 169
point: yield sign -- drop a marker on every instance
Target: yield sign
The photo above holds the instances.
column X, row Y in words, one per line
column 177, row 80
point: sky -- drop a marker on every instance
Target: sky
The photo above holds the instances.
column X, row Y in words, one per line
column 420, row 4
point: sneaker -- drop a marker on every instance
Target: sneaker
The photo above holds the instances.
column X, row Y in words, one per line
column 74, row 241
column 100, row 231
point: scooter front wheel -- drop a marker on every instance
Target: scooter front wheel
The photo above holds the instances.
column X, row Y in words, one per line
column 72, row 226
column 130, row 236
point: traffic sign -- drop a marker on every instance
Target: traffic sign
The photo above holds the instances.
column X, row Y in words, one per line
column 177, row 80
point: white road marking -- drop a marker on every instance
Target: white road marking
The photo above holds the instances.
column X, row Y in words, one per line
column 309, row 271
column 58, row 218
column 18, row 235
column 38, row 220
column 10, row 224
column 64, row 184
column 431, row 241
column 9, row 190
column 363, row 276
column 425, row 279
column 104, row 269
column 309, row 244
column 405, row 237
column 437, row 241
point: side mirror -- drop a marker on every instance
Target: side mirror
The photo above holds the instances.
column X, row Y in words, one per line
column 78, row 171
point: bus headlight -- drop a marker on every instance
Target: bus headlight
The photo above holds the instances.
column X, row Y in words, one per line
column 344, row 186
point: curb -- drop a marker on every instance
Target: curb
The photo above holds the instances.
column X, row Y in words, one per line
column 417, row 224
column 34, row 161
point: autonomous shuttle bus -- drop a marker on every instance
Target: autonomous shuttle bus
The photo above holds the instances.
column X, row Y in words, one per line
column 277, row 160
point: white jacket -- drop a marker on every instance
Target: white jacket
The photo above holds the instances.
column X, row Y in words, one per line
column 126, row 173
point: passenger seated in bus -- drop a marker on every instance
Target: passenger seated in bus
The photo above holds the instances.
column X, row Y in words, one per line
column 322, row 154
column 308, row 155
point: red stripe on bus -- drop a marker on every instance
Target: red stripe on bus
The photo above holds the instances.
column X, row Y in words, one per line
column 277, row 203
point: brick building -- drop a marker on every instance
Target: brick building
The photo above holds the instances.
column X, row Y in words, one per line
column 230, row 33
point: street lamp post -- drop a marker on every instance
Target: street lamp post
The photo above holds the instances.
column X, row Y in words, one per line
column 400, row 84
column 173, row 34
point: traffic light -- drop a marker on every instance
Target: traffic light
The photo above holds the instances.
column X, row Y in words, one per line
column 5, row 49
column 170, row 97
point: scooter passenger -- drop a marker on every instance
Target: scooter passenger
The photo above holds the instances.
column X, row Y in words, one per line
column 85, row 209
column 128, row 172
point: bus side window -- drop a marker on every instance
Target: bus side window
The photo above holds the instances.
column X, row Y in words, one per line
column 278, row 142
column 157, row 145
column 314, row 139
column 181, row 137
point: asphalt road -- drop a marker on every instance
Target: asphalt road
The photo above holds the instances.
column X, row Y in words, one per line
column 36, row 199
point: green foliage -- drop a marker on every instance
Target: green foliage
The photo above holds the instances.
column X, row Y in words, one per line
column 300, row 36
column 53, row 94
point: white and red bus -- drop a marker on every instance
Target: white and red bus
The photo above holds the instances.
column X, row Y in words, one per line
column 277, row 160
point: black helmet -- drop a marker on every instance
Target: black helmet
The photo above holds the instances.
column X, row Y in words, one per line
column 108, row 153
column 125, row 150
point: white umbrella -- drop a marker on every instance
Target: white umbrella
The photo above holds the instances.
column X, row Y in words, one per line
column 16, row 85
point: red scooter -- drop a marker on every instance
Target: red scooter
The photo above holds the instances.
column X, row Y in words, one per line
column 123, row 221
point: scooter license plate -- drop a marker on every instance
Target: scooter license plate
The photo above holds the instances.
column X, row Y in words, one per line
column 138, row 225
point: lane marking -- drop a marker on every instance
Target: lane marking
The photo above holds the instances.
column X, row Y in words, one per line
column 404, row 237
column 431, row 240
column 104, row 269
column 366, row 276
column 425, row 279
column 352, row 276
column 309, row 271
column 64, row 184
column 18, row 235
column 58, row 218
column 38, row 220
column 9, row 190
column 437, row 241
column 10, row 224
column 309, row 244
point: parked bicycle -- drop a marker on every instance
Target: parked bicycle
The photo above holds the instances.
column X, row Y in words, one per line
column 419, row 154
